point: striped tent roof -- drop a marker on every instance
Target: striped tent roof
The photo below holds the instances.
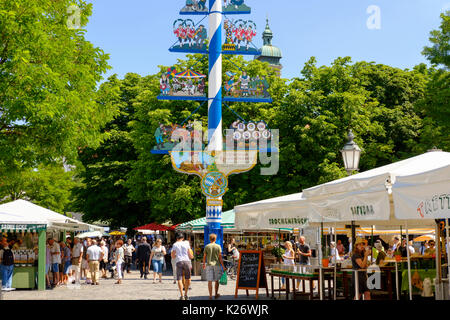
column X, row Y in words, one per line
column 367, row 231
column 198, row 224
column 189, row 74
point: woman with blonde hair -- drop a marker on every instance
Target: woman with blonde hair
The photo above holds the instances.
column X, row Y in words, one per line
column 288, row 258
column 157, row 259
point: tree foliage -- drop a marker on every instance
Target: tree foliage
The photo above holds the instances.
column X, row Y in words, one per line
column 47, row 185
column 48, row 83
column 103, row 196
column 435, row 105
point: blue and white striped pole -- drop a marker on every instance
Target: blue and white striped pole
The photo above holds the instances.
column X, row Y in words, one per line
column 215, row 140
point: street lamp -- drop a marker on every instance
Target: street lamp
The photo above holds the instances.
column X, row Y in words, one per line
column 351, row 154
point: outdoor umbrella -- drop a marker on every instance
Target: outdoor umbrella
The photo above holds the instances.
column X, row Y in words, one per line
column 189, row 74
column 425, row 237
column 117, row 233
column 154, row 227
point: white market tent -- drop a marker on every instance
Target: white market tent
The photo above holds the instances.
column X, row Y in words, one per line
column 426, row 195
column 26, row 212
column 366, row 197
column 289, row 211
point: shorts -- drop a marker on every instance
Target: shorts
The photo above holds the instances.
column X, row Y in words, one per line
column 157, row 265
column 213, row 273
column 48, row 268
column 55, row 267
column 67, row 267
column 183, row 267
column 102, row 265
column 84, row 264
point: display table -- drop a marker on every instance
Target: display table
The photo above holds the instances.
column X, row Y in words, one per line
column 423, row 273
column 24, row 277
column 302, row 277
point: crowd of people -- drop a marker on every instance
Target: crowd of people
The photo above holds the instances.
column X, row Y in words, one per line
column 361, row 255
column 84, row 261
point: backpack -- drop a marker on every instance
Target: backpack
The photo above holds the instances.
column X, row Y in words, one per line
column 8, row 257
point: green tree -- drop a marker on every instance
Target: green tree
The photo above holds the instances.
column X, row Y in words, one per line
column 48, row 186
column 103, row 195
column 375, row 101
column 48, row 83
column 435, row 106
column 312, row 112
column 439, row 52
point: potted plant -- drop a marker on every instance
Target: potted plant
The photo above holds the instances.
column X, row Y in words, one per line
column 278, row 252
column 398, row 255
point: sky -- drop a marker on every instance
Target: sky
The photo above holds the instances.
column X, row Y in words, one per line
column 138, row 33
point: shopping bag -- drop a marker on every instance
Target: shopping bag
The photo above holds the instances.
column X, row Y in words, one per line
column 223, row 279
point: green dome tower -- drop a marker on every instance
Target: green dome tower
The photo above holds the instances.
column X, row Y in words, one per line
column 270, row 53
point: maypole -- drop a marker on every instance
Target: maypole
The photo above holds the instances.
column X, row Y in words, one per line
column 215, row 140
column 187, row 85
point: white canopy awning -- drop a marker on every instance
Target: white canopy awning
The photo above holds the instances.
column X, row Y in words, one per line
column 289, row 211
column 375, row 179
column 365, row 197
column 423, row 196
column 29, row 213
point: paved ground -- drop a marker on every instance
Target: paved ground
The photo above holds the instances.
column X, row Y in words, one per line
column 132, row 288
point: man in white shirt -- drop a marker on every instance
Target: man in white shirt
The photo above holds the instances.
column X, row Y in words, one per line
column 128, row 252
column 55, row 252
column 77, row 256
column 94, row 254
column 396, row 245
column 182, row 253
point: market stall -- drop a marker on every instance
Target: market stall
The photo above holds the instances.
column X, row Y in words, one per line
column 30, row 225
column 426, row 196
column 364, row 198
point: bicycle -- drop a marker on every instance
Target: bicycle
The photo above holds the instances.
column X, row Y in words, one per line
column 231, row 266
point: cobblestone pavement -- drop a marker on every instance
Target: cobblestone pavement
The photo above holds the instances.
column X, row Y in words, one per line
column 132, row 288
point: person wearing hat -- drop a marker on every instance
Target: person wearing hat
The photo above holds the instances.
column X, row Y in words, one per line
column 360, row 261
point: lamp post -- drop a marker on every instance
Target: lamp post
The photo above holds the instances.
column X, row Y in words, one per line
column 351, row 154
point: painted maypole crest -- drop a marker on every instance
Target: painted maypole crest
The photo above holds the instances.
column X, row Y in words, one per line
column 184, row 142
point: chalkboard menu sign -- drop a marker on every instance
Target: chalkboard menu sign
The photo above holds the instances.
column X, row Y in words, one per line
column 251, row 272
